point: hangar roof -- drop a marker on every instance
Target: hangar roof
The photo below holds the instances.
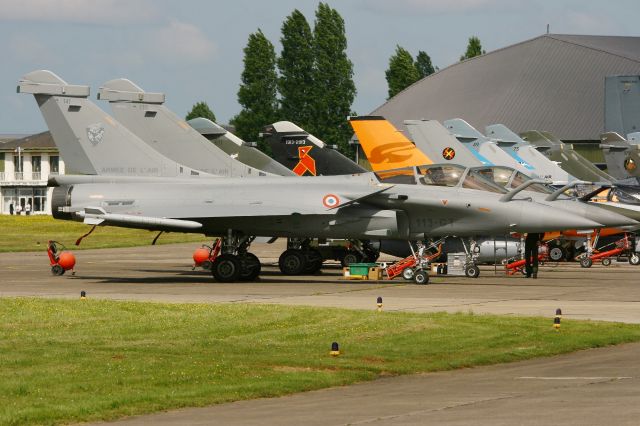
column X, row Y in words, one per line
column 553, row 82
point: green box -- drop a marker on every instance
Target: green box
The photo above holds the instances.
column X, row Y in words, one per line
column 360, row 268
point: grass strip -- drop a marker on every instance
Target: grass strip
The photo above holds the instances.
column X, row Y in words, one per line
column 31, row 233
column 81, row 360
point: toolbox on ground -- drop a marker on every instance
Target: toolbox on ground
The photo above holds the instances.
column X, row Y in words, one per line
column 362, row 271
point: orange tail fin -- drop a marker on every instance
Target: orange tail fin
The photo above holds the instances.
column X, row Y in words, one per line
column 385, row 146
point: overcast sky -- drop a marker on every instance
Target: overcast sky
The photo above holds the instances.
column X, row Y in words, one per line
column 192, row 50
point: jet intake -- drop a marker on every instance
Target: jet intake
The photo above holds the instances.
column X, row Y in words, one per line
column 61, row 201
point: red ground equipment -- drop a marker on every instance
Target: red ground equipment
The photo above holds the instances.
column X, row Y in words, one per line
column 622, row 246
column 60, row 260
column 204, row 256
column 415, row 266
column 517, row 266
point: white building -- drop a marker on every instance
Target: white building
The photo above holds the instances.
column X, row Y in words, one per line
column 25, row 167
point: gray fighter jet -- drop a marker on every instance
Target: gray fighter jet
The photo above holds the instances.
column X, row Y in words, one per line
column 245, row 152
column 566, row 157
column 358, row 206
column 622, row 155
column 486, row 150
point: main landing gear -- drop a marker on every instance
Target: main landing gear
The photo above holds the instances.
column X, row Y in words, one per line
column 235, row 263
column 299, row 258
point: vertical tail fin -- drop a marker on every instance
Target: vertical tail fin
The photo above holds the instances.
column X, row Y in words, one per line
column 437, row 143
column 304, row 153
column 91, row 141
column 237, row 148
column 385, row 146
column 148, row 118
column 524, row 152
column 615, row 149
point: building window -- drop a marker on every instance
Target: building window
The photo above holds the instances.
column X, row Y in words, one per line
column 54, row 164
column 39, row 199
column 36, row 166
column 18, row 166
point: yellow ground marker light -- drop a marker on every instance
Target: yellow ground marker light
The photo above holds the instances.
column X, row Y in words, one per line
column 335, row 349
column 556, row 320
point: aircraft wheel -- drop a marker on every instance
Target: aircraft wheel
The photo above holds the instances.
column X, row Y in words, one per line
column 586, row 262
column 472, row 271
column 351, row 257
column 313, row 260
column 57, row 270
column 292, row 262
column 606, row 261
column 408, row 273
column 421, row 277
column 634, row 259
column 556, row 254
column 226, row 268
column 250, row 267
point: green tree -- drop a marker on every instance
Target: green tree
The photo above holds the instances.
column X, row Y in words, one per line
column 258, row 90
column 402, row 72
column 474, row 48
column 424, row 65
column 201, row 109
column 333, row 88
column 296, row 70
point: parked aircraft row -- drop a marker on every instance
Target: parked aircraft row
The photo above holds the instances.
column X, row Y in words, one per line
column 146, row 168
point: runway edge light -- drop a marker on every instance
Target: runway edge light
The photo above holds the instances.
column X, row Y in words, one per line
column 556, row 320
column 379, row 303
column 83, row 294
column 335, row 349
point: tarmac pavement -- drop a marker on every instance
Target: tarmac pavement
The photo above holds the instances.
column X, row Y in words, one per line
column 590, row 387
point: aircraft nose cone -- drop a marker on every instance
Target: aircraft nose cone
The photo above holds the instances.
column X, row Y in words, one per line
column 607, row 217
column 542, row 218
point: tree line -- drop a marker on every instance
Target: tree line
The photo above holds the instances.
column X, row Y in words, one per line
column 311, row 82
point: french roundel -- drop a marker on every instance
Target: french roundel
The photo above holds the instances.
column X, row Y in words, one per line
column 330, row 201
column 448, row 153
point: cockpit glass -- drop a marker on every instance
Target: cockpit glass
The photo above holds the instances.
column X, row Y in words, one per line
column 475, row 180
column 401, row 176
column 440, row 175
column 521, row 178
column 499, row 175
column 625, row 196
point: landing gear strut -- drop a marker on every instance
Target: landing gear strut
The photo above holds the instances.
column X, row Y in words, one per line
column 235, row 262
column 300, row 258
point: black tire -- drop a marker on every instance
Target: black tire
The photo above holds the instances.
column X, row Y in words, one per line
column 408, row 274
column 556, row 253
column 472, row 271
column 606, row 261
column 57, row 270
column 421, row 277
column 292, row 262
column 313, row 259
column 586, row 262
column 634, row 259
column 351, row 257
column 226, row 268
column 250, row 267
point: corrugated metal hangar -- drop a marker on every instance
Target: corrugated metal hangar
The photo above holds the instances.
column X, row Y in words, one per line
column 552, row 82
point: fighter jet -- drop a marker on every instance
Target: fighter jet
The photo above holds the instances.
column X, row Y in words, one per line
column 356, row 206
column 486, row 150
column 566, row 157
column 245, row 152
column 305, row 154
column 147, row 117
column 622, row 156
